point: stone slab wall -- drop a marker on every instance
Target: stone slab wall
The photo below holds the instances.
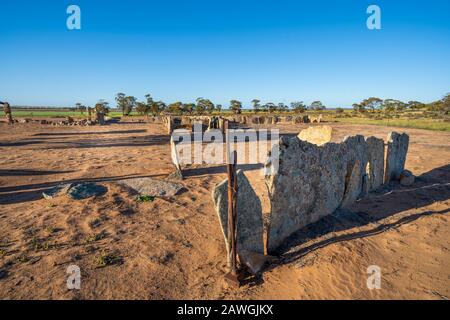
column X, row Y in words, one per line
column 311, row 182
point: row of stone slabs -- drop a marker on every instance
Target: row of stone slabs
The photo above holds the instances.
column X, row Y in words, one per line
column 311, row 182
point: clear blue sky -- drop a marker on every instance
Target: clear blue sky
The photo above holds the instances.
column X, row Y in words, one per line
column 277, row 51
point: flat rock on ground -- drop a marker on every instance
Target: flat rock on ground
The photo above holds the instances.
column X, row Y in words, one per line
column 86, row 190
column 56, row 191
column 153, row 187
column 77, row 191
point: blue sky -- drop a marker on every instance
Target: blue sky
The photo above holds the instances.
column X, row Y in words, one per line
column 277, row 51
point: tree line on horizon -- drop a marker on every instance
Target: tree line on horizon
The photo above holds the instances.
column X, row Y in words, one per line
column 127, row 104
column 396, row 106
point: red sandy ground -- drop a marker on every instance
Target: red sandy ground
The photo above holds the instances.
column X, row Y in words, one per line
column 173, row 248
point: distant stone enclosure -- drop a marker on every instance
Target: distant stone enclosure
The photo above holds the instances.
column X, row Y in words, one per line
column 313, row 181
column 217, row 122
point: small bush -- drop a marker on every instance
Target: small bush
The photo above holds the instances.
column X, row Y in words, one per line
column 144, row 198
column 105, row 260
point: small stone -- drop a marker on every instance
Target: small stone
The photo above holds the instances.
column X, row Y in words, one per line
column 407, row 178
column 254, row 261
column 3, row 274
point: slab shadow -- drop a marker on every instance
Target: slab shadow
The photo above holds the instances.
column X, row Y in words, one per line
column 430, row 187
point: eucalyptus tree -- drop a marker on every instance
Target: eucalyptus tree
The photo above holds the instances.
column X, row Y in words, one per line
column 188, row 108
column 256, row 105
column 158, row 107
column 317, row 106
column 446, row 103
column 204, row 105
column 298, row 106
column 236, row 106
column 142, row 108
column 130, row 104
column 415, row 105
column 393, row 106
column 121, row 103
column 282, row 107
column 270, row 107
column 175, row 108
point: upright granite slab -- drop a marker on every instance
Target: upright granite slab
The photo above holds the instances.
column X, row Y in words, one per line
column 250, row 226
column 356, row 159
column 396, row 155
column 375, row 148
column 309, row 184
column 178, row 174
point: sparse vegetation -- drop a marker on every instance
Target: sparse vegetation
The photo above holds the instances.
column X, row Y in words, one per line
column 23, row 258
column 104, row 260
column 95, row 237
column 50, row 230
column 144, row 198
column 41, row 244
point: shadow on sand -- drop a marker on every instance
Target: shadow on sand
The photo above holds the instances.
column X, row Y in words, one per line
column 195, row 172
column 429, row 188
column 80, row 133
column 24, row 172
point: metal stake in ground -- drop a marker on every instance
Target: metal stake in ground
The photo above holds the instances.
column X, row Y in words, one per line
column 232, row 276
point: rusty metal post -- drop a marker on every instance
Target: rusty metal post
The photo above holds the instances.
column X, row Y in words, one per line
column 232, row 276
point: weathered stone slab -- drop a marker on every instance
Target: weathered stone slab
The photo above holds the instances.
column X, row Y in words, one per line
column 356, row 159
column 178, row 174
column 318, row 135
column 309, row 184
column 262, row 119
column 169, row 125
column 396, row 155
column 375, row 148
column 153, row 187
column 249, row 216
